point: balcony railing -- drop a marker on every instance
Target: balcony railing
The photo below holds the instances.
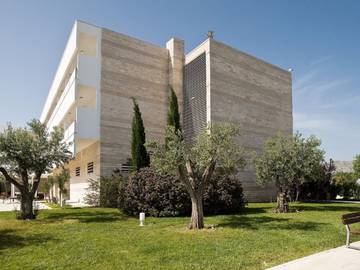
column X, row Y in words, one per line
column 66, row 100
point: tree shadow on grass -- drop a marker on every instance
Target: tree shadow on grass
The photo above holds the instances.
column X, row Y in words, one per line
column 326, row 207
column 11, row 239
column 269, row 223
column 84, row 215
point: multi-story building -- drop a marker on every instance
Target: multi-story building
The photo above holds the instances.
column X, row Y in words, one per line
column 101, row 70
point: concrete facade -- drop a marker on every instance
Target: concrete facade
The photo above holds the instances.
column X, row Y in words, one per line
column 255, row 95
column 239, row 89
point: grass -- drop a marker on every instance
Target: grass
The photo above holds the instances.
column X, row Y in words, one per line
column 99, row 238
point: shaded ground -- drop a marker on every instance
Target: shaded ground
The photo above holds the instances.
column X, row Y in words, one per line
column 95, row 238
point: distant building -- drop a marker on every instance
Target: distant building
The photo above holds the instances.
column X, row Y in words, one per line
column 344, row 166
column 101, row 70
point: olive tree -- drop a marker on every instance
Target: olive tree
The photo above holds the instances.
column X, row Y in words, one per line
column 61, row 179
column 288, row 162
column 195, row 164
column 356, row 166
column 26, row 154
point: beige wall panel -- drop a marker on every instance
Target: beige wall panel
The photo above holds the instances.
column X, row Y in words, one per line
column 255, row 95
column 130, row 68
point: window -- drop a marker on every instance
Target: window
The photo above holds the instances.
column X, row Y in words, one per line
column 90, row 167
column 77, row 171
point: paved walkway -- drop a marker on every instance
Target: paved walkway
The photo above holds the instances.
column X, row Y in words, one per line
column 340, row 258
column 6, row 206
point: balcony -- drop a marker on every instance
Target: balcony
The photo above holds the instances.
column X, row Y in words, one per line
column 65, row 102
column 84, row 130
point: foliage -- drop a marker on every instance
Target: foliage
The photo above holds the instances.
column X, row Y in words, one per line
column 253, row 240
column 4, row 186
column 92, row 195
column 139, row 156
column 345, row 185
column 173, row 116
column 45, row 187
column 194, row 164
column 288, row 162
column 109, row 190
column 356, row 166
column 224, row 195
column 165, row 195
column 156, row 195
column 318, row 186
column 30, row 151
column 61, row 179
column 103, row 192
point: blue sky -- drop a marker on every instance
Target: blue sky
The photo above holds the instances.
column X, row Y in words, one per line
column 319, row 39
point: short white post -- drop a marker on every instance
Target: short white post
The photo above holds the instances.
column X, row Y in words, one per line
column 142, row 219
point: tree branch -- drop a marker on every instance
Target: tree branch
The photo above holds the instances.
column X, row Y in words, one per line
column 10, row 179
column 36, row 183
column 208, row 172
column 189, row 169
column 185, row 180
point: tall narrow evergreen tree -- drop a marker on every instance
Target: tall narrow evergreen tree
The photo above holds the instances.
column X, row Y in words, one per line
column 173, row 116
column 139, row 156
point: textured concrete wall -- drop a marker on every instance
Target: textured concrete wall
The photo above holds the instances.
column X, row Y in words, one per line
column 176, row 68
column 257, row 96
column 78, row 184
column 130, row 68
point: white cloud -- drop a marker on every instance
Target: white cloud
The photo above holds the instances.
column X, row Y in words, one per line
column 321, row 60
column 310, row 122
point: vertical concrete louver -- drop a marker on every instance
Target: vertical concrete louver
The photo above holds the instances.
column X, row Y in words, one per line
column 194, row 97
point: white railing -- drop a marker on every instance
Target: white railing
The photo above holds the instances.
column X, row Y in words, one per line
column 66, row 100
column 69, row 131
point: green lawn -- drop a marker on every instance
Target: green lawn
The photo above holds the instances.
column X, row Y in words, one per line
column 105, row 239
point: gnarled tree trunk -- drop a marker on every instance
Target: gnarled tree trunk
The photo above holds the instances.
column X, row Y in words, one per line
column 197, row 212
column 26, row 205
column 282, row 202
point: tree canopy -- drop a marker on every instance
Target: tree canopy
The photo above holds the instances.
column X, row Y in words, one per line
column 214, row 147
column 356, row 166
column 288, row 162
column 26, row 154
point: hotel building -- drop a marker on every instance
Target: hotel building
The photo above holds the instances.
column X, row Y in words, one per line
column 101, row 70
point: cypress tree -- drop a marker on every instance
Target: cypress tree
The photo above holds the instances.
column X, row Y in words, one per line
column 173, row 116
column 139, row 156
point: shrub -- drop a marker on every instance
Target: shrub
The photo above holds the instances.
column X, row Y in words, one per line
column 92, row 196
column 345, row 185
column 103, row 192
column 224, row 195
column 109, row 190
column 158, row 196
column 164, row 195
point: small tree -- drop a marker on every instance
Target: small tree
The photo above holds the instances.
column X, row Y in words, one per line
column 356, row 166
column 26, row 154
column 287, row 162
column 139, row 156
column 61, row 179
column 213, row 147
column 173, row 116
column 345, row 183
column 92, row 196
column 51, row 182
